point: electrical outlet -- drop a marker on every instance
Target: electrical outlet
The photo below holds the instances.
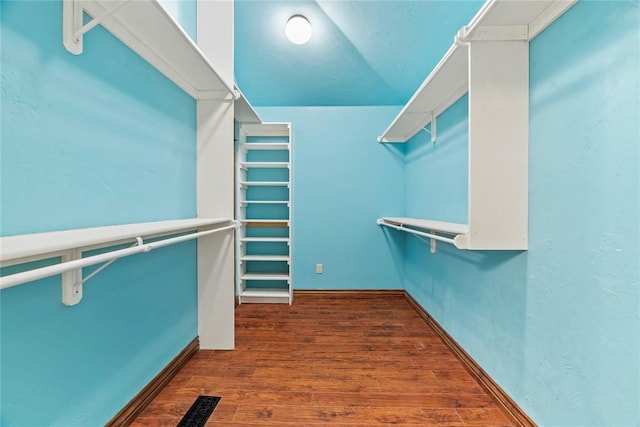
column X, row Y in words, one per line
column 318, row 268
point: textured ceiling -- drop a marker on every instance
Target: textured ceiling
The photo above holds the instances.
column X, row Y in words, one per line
column 361, row 52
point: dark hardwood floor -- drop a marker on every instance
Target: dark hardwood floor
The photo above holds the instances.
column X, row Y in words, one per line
column 329, row 360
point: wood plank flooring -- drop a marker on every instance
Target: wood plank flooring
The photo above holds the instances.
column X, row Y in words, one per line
column 329, row 360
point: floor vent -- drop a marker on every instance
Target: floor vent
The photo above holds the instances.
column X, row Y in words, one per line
column 199, row 412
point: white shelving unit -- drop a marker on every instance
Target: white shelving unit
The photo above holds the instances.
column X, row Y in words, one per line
column 263, row 207
column 489, row 60
column 153, row 34
column 150, row 31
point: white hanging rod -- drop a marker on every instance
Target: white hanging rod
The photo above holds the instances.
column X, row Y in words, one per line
column 52, row 270
column 416, row 232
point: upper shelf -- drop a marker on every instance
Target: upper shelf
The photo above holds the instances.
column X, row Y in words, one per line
column 266, row 129
column 150, row 31
column 20, row 247
column 515, row 19
column 447, row 83
column 449, row 80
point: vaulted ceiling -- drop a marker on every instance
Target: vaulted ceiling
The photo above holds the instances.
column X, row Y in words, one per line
column 362, row 52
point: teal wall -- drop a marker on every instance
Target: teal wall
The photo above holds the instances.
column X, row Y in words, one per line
column 343, row 180
column 557, row 326
column 90, row 140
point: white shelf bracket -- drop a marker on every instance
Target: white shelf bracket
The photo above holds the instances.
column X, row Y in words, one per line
column 72, row 19
column 72, row 279
column 433, row 130
column 432, row 245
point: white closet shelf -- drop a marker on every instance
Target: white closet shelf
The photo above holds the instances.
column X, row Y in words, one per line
column 265, row 165
column 19, row 248
column 273, row 296
column 462, row 236
column 264, row 146
column 265, row 239
column 448, row 232
column 151, row 32
column 264, row 202
column 245, row 184
column 264, row 276
column 447, row 83
column 243, row 111
column 449, row 80
column 267, row 221
column 267, row 129
column 514, row 20
column 279, row 258
column 427, row 224
column 71, row 244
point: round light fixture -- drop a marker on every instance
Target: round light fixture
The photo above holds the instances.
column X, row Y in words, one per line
column 298, row 29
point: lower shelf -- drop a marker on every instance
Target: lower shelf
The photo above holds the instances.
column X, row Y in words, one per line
column 271, row 296
column 277, row 258
column 264, row 276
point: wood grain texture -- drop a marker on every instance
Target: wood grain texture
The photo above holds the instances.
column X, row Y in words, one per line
column 279, row 224
column 506, row 403
column 141, row 400
column 339, row 359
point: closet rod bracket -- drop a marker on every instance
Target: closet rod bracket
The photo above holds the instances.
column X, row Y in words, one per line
column 72, row 279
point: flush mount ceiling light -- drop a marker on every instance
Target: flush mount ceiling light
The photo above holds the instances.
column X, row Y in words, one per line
column 298, row 29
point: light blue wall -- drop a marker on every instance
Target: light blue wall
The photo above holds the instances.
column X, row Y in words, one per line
column 185, row 13
column 90, row 140
column 440, row 166
column 343, row 180
column 557, row 326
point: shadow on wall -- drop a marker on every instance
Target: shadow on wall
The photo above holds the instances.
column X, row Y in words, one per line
column 395, row 242
column 422, row 149
column 452, row 281
column 397, row 152
column 485, row 261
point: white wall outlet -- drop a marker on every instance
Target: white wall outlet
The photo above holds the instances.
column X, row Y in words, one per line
column 318, row 268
